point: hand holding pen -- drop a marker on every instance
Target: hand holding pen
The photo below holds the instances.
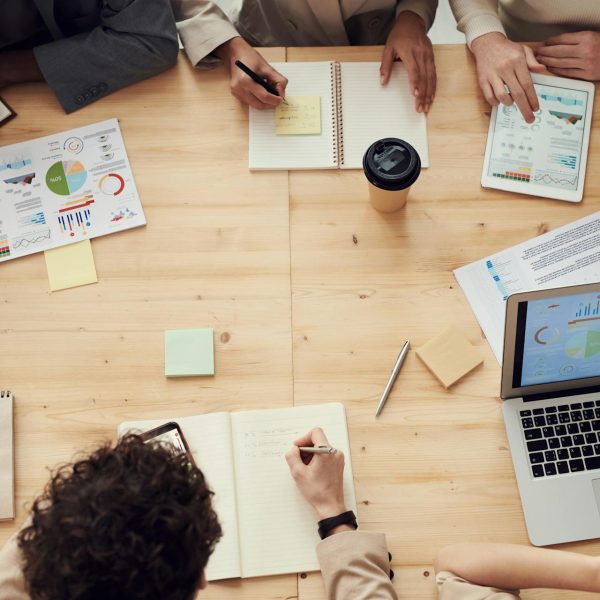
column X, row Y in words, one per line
column 266, row 89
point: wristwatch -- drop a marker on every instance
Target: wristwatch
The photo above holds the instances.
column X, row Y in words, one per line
column 326, row 525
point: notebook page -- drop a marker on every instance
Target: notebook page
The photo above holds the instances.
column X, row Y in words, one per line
column 209, row 439
column 371, row 111
column 278, row 531
column 270, row 151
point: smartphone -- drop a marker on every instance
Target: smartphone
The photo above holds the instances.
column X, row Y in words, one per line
column 171, row 436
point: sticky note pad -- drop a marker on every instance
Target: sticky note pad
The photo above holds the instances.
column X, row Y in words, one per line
column 449, row 356
column 300, row 116
column 70, row 266
column 189, row 352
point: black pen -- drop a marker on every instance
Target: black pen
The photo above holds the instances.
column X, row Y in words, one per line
column 257, row 78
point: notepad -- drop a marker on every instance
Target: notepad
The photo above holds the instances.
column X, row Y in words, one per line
column 299, row 115
column 7, row 497
column 268, row 527
column 6, row 113
column 70, row 266
column 355, row 111
column 189, row 352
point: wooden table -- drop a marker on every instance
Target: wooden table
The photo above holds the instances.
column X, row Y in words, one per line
column 310, row 293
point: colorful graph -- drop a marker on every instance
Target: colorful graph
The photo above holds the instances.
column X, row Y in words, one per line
column 4, row 248
column 547, row 179
column 17, row 163
column 73, row 145
column 583, row 344
column 66, row 177
column 565, row 160
column 521, row 174
column 561, row 100
column 30, row 239
column 112, row 184
column 545, row 335
column 494, row 274
column 21, row 179
column 569, row 118
column 35, row 219
column 75, row 215
column 122, row 213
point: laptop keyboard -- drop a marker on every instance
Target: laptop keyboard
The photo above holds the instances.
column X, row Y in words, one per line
column 562, row 439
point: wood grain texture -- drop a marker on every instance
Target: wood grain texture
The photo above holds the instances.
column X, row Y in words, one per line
column 310, row 301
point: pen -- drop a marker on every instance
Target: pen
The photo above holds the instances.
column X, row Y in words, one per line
column 392, row 379
column 318, row 450
column 257, row 78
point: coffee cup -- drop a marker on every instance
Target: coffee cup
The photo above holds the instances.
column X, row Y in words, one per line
column 391, row 166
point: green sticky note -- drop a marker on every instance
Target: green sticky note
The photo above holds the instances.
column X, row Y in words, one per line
column 189, row 352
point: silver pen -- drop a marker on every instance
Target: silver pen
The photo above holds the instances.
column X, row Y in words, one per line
column 318, row 449
column 392, row 379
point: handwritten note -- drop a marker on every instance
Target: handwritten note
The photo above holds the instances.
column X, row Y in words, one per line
column 300, row 116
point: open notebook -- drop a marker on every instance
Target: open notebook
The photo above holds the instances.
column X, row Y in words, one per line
column 268, row 528
column 355, row 111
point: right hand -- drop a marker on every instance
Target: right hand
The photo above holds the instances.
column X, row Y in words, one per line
column 242, row 86
column 500, row 62
column 321, row 478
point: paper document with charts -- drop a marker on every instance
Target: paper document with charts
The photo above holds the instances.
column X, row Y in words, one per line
column 65, row 188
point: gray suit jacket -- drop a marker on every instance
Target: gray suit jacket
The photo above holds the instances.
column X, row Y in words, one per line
column 103, row 45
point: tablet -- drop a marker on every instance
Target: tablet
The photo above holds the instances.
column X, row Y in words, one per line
column 548, row 157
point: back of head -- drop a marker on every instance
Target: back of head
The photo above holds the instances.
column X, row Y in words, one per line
column 132, row 521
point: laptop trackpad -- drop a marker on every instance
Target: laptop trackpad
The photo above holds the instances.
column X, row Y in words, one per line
column 596, row 486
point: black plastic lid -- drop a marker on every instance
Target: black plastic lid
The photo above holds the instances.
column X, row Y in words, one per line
column 391, row 164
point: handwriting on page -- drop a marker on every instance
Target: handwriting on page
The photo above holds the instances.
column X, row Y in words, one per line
column 272, row 442
column 300, row 116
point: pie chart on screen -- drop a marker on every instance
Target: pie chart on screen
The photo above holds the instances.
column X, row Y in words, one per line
column 66, row 177
column 112, row 184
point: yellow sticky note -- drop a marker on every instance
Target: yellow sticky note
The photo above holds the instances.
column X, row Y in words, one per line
column 70, row 266
column 300, row 116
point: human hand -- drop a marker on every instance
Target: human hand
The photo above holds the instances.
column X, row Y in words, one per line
column 319, row 477
column 572, row 55
column 242, row 86
column 503, row 72
column 408, row 42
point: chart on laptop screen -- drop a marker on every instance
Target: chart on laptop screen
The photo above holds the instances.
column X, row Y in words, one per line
column 562, row 339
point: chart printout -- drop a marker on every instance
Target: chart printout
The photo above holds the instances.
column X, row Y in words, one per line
column 65, row 188
column 547, row 152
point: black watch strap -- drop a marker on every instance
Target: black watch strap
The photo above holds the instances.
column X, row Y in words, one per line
column 326, row 525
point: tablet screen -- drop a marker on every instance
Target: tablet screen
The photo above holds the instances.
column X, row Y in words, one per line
column 547, row 152
column 558, row 339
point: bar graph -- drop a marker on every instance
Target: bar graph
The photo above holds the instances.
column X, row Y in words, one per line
column 588, row 310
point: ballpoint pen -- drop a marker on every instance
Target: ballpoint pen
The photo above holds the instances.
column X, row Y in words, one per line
column 318, row 449
column 257, row 78
column 392, row 379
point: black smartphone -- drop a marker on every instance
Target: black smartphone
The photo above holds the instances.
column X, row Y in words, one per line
column 171, row 435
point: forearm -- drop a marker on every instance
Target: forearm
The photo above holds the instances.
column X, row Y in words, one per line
column 510, row 566
column 423, row 8
column 19, row 66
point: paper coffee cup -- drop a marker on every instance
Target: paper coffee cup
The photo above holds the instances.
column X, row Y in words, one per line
column 391, row 166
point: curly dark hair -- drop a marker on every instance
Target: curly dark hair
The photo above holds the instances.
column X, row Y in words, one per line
column 132, row 521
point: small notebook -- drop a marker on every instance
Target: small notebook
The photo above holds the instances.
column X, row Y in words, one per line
column 355, row 111
column 7, row 477
column 6, row 113
column 268, row 528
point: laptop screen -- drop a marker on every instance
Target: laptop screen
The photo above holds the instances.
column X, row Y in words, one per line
column 557, row 339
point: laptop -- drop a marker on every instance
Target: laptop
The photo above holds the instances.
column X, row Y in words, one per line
column 551, row 406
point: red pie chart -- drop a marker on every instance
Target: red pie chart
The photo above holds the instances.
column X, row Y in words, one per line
column 112, row 184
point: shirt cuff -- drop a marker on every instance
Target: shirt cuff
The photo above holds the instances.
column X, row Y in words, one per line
column 479, row 25
column 425, row 10
column 199, row 52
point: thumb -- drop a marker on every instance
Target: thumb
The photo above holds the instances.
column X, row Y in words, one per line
column 387, row 60
column 532, row 62
column 294, row 461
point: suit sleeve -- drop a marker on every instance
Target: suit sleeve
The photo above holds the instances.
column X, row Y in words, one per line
column 136, row 39
column 355, row 564
column 452, row 587
column 12, row 582
column 202, row 26
column 476, row 17
column 426, row 9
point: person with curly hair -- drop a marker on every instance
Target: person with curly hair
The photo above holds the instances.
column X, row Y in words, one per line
column 133, row 521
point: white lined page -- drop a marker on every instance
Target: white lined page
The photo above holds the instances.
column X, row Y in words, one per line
column 209, row 439
column 278, row 531
column 371, row 111
column 270, row 151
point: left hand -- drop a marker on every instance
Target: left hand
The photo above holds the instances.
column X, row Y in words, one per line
column 572, row 55
column 409, row 43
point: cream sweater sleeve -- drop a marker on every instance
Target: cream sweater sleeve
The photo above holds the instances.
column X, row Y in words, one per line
column 476, row 17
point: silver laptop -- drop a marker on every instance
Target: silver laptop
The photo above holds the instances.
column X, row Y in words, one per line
column 551, row 393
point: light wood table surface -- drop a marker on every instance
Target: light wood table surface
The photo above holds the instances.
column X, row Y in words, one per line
column 311, row 294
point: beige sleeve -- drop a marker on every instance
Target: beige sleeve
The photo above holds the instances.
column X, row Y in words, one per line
column 355, row 564
column 202, row 26
column 12, row 582
column 424, row 8
column 452, row 587
column 476, row 17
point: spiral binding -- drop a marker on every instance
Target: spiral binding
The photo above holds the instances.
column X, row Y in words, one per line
column 336, row 119
column 4, row 394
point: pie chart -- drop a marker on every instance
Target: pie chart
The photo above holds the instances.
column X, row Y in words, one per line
column 66, row 177
column 583, row 344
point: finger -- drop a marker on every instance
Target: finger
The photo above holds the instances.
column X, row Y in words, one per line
column 315, row 437
column 247, row 98
column 520, row 98
column 431, row 82
column 530, row 59
column 270, row 100
column 416, row 76
column 275, row 78
column 387, row 62
column 488, row 93
column 573, row 73
column 564, row 38
column 526, row 83
column 292, row 456
column 560, row 63
column 558, row 51
column 500, row 91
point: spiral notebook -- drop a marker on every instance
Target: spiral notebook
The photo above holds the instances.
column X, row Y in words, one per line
column 355, row 111
column 268, row 528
